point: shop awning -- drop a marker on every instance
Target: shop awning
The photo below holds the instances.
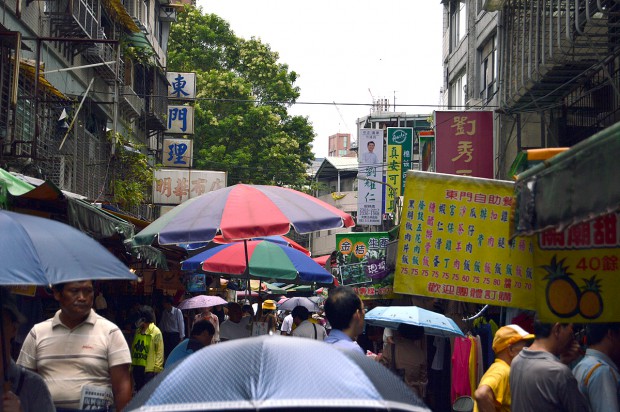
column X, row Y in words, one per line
column 116, row 8
column 572, row 187
column 10, row 184
column 80, row 214
column 526, row 159
column 29, row 70
column 139, row 40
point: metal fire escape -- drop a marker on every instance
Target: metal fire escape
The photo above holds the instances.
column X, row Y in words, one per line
column 562, row 56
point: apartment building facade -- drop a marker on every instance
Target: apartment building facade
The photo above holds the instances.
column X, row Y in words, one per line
column 79, row 81
column 548, row 69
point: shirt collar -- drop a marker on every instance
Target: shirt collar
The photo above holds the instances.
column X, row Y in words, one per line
column 92, row 319
column 602, row 356
column 340, row 335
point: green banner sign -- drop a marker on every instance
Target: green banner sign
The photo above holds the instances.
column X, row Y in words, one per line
column 362, row 264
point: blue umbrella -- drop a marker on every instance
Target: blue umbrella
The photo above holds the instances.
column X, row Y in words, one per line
column 275, row 373
column 260, row 259
column 38, row 251
column 434, row 324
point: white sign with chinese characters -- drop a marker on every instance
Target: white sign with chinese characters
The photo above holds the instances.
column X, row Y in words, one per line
column 180, row 120
column 370, row 190
column 177, row 153
column 174, row 186
column 182, row 86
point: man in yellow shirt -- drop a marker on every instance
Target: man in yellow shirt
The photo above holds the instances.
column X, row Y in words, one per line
column 493, row 393
column 147, row 351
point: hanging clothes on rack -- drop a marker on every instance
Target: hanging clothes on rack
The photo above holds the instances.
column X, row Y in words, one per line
column 460, row 368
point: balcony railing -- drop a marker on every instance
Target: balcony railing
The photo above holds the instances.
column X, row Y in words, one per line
column 73, row 18
column 137, row 11
column 130, row 103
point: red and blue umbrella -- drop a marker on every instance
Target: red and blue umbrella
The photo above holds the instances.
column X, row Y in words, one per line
column 243, row 212
column 266, row 260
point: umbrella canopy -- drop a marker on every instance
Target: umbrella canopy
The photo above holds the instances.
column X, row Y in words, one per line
column 275, row 376
column 283, row 240
column 321, row 260
column 267, row 260
column 434, row 324
column 292, row 303
column 38, row 251
column 243, row 212
column 201, row 301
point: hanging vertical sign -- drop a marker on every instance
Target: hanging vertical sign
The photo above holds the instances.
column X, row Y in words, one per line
column 182, row 86
column 427, row 141
column 399, row 158
column 370, row 191
column 177, row 153
column 180, row 120
column 464, row 143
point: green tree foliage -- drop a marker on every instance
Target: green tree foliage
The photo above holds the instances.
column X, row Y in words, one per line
column 242, row 125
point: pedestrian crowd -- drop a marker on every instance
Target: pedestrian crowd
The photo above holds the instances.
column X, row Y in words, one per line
column 79, row 360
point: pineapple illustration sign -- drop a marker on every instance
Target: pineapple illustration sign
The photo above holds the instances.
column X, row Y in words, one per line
column 576, row 272
column 454, row 242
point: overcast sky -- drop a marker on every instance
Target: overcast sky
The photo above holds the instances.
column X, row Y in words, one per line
column 344, row 51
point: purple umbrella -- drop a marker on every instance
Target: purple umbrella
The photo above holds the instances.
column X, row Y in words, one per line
column 201, row 301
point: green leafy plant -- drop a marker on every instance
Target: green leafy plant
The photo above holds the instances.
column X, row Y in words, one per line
column 137, row 54
column 134, row 173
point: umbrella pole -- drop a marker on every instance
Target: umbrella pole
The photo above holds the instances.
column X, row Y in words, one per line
column 248, row 290
column 5, row 362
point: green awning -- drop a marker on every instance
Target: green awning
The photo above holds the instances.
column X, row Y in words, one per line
column 572, row 187
column 81, row 214
column 139, row 40
column 10, row 184
column 96, row 222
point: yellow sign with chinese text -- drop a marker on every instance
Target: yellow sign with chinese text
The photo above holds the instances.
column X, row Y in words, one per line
column 393, row 175
column 576, row 272
column 454, row 242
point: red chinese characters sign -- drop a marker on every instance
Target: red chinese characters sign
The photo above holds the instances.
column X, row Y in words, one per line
column 464, row 143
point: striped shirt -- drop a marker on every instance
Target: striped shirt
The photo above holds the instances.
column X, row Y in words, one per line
column 68, row 359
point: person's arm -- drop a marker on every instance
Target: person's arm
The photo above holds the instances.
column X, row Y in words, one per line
column 121, row 385
column 158, row 347
column 568, row 393
column 601, row 384
column 28, row 354
column 180, row 324
column 11, row 402
column 485, row 399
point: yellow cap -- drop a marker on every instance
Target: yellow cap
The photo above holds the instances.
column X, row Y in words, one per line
column 269, row 304
column 509, row 335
